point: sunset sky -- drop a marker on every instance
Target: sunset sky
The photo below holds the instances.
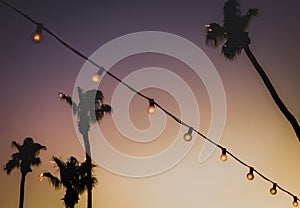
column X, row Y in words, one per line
column 255, row 130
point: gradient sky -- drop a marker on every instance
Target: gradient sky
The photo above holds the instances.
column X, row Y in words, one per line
column 255, row 130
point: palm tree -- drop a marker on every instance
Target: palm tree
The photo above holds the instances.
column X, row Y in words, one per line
column 234, row 32
column 73, row 177
column 90, row 109
column 26, row 157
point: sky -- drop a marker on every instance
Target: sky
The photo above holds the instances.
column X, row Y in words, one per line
column 255, row 130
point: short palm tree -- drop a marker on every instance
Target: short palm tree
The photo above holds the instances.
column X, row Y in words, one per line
column 90, row 109
column 237, row 39
column 73, row 177
column 26, row 157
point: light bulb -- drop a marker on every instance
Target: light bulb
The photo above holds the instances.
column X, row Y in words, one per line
column 273, row 190
column 188, row 136
column 295, row 202
column 41, row 177
column 151, row 108
column 60, row 95
column 37, row 35
column 223, row 156
column 96, row 77
column 250, row 175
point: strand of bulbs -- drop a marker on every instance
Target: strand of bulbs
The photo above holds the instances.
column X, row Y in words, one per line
column 223, row 157
column 37, row 38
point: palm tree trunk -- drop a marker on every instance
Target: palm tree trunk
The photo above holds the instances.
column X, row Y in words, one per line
column 273, row 92
column 89, row 171
column 22, row 185
column 89, row 174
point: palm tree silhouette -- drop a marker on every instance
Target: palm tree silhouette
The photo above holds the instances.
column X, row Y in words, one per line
column 234, row 32
column 73, row 177
column 26, row 157
column 90, row 109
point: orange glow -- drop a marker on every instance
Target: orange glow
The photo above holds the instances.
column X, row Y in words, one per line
column 96, row 77
column 250, row 176
column 187, row 137
column 295, row 204
column 37, row 37
column 223, row 157
column 151, row 109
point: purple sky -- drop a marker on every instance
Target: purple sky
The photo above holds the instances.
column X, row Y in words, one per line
column 33, row 74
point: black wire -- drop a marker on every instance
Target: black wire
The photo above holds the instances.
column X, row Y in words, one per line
column 142, row 95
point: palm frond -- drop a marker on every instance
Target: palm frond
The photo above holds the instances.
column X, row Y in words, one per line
column 28, row 141
column 102, row 110
column 246, row 19
column 16, row 145
column 85, row 181
column 231, row 10
column 36, row 148
column 69, row 101
column 71, row 198
column 99, row 96
column 10, row 165
column 61, row 166
column 215, row 34
column 66, row 98
column 36, row 161
column 52, row 179
column 231, row 50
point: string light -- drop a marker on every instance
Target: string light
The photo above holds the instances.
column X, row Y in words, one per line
column 37, row 35
column 188, row 136
column 41, row 177
column 273, row 190
column 223, row 156
column 250, row 175
column 97, row 76
column 151, row 108
column 295, row 202
column 60, row 95
column 38, row 38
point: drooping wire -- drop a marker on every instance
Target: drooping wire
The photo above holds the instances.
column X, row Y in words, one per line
column 80, row 54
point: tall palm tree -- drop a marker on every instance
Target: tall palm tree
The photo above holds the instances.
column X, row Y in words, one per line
column 73, row 177
column 26, row 157
column 90, row 109
column 234, row 32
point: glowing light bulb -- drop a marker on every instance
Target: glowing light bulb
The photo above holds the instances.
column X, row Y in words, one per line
column 188, row 136
column 60, row 95
column 41, row 177
column 96, row 77
column 223, row 156
column 37, row 35
column 250, row 175
column 151, row 108
column 295, row 202
column 273, row 190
